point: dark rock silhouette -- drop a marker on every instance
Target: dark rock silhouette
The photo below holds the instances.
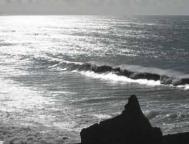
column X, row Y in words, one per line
column 180, row 138
column 130, row 127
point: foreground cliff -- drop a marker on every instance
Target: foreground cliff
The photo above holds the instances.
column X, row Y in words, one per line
column 130, row 127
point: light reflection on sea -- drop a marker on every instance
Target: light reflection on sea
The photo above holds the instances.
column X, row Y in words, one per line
column 37, row 87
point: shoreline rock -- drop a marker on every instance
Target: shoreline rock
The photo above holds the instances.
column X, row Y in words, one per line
column 130, row 127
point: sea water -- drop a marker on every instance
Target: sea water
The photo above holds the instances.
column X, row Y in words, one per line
column 42, row 83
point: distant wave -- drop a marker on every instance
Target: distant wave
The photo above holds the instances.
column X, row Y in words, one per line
column 119, row 73
column 131, row 76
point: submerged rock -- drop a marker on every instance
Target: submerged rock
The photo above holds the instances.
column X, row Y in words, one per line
column 130, row 127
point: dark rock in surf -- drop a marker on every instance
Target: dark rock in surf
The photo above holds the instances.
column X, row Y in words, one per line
column 95, row 68
column 85, row 67
column 183, row 81
column 102, row 69
column 148, row 76
column 126, row 73
column 174, row 81
column 116, row 70
column 166, row 80
column 130, row 127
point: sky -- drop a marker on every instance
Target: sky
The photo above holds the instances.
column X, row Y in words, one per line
column 102, row 7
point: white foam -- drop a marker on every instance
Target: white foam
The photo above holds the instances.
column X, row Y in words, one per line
column 185, row 87
column 15, row 97
column 64, row 125
column 115, row 78
column 102, row 116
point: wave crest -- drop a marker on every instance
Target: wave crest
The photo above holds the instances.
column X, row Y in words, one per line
column 118, row 73
column 132, row 75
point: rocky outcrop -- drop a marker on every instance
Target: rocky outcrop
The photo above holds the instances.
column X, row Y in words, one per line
column 130, row 127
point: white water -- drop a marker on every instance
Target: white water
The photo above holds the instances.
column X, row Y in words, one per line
column 111, row 77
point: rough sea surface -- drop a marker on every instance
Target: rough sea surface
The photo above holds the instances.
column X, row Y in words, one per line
column 44, row 87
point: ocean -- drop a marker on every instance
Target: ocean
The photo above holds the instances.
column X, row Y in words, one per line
column 51, row 75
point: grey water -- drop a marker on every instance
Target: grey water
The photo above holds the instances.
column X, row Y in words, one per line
column 40, row 85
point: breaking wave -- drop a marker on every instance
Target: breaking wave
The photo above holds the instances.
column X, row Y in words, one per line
column 116, row 78
column 120, row 73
